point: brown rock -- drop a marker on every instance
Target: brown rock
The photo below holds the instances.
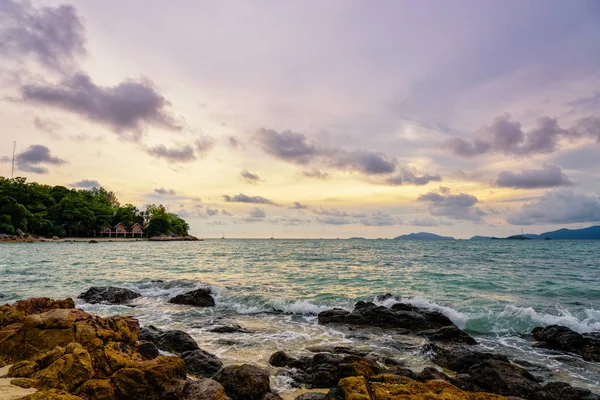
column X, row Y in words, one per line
column 205, row 389
column 96, row 389
column 51, row 395
column 244, row 382
column 68, row 372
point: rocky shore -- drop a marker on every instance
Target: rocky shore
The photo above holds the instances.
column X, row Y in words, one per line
column 64, row 353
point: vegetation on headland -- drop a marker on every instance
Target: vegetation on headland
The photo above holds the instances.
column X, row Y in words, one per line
column 48, row 211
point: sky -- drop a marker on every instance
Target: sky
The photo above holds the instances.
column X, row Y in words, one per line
column 312, row 119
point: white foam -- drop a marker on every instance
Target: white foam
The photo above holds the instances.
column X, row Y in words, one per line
column 459, row 318
column 564, row 318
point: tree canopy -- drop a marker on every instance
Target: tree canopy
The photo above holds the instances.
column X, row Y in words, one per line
column 46, row 210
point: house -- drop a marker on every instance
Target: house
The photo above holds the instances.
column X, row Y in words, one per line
column 137, row 229
column 121, row 230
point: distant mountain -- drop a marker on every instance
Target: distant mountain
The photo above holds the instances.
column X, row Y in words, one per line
column 518, row 237
column 481, row 238
column 423, row 236
column 356, row 238
column 591, row 233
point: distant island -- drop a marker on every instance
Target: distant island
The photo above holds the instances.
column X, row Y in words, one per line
column 29, row 209
column 423, row 236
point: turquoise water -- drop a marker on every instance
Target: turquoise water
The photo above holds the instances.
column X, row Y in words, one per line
column 496, row 290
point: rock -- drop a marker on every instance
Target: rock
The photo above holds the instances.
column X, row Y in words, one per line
column 312, row 396
column 564, row 391
column 228, row 329
column 271, row 396
column 96, row 389
column 390, row 387
column 16, row 313
column 448, row 334
column 201, row 363
column 68, row 372
column 337, row 350
column 147, row 350
column 93, row 241
column 244, row 382
column 108, row 294
column 199, row 298
column 280, row 359
column 176, row 342
column 504, row 378
column 430, row 373
column 372, row 315
column 561, row 338
column 460, row 359
column 51, row 395
column 204, row 389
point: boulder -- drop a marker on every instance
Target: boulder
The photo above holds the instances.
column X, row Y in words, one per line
column 199, row 298
column 389, row 387
column 204, row 389
column 68, row 372
column 234, row 328
column 280, row 359
column 147, row 350
column 460, row 359
column 174, row 341
column 201, row 363
column 244, row 382
column 504, row 378
column 561, row 338
column 370, row 314
column 312, row 396
column 16, row 313
column 108, row 294
column 51, row 395
column 96, row 389
column 448, row 334
column 564, row 391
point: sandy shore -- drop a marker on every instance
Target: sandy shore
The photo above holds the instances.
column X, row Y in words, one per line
column 8, row 391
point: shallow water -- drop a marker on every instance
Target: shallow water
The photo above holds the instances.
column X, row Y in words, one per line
column 496, row 290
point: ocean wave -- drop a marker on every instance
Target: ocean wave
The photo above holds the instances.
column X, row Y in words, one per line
column 564, row 317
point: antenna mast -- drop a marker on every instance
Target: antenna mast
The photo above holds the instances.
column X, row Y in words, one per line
column 12, row 171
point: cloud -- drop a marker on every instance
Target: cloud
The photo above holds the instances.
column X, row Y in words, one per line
column 559, row 206
column 172, row 155
column 409, row 177
column 366, row 162
column 126, row 108
column 334, row 220
column 35, row 158
column 462, row 206
column 298, row 206
column 507, row 136
column 46, row 125
column 211, row 211
column 548, row 177
column 233, row 143
column 204, row 145
column 242, row 198
column 428, row 222
column 165, row 192
column 380, row 219
column 315, row 173
column 226, row 213
column 250, row 177
column 54, row 36
column 296, row 148
column 287, row 146
column 255, row 215
column 86, row 184
column 290, row 221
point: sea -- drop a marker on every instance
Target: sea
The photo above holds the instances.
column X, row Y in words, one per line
column 497, row 291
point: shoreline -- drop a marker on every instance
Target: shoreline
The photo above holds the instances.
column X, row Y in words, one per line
column 92, row 240
column 462, row 366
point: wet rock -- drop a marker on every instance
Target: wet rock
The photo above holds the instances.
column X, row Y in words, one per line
column 460, row 359
column 337, row 350
column 174, row 341
column 228, row 329
column 199, row 298
column 312, row 396
column 564, row 391
column 68, row 372
column 271, row 396
column 370, row 314
column 448, row 334
column 244, row 382
column 12, row 314
column 108, row 294
column 429, row 374
column 561, row 338
column 280, row 359
column 204, row 389
column 93, row 241
column 201, row 363
column 147, row 350
column 504, row 378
